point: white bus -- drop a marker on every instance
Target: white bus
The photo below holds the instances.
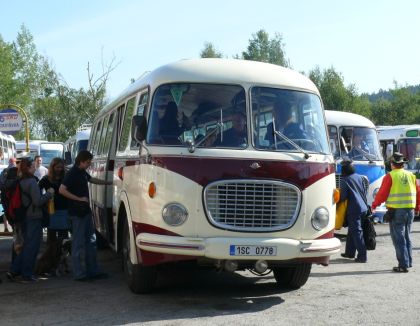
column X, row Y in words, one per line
column 47, row 150
column 354, row 136
column 404, row 139
column 8, row 148
column 77, row 143
column 183, row 190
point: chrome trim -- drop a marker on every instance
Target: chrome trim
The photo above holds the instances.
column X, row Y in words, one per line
column 265, row 205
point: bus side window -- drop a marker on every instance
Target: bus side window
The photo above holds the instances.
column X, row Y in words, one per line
column 102, row 137
column 108, row 135
column 97, row 136
column 141, row 111
column 129, row 110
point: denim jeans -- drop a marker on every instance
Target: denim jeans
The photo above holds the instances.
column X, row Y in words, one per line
column 400, row 227
column 83, row 242
column 355, row 239
column 24, row 263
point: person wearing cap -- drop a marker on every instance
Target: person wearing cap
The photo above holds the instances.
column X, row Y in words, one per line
column 402, row 197
column 235, row 136
column 352, row 188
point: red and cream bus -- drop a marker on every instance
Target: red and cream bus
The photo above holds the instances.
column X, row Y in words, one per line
column 204, row 169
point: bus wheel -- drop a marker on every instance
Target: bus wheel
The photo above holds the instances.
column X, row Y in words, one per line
column 140, row 279
column 292, row 277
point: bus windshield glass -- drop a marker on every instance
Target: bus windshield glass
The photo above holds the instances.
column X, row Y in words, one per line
column 410, row 148
column 50, row 150
column 357, row 143
column 280, row 115
column 207, row 115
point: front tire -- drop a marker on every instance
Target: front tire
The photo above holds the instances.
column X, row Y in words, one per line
column 140, row 279
column 292, row 277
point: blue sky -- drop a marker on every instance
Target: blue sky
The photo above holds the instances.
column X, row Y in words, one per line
column 372, row 43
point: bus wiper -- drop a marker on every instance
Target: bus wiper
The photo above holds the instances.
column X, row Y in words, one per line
column 291, row 142
column 192, row 144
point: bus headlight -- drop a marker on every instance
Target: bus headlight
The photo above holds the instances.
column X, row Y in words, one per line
column 174, row 214
column 374, row 193
column 320, row 218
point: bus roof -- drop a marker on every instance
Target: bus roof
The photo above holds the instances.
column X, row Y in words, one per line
column 395, row 132
column 220, row 71
column 340, row 118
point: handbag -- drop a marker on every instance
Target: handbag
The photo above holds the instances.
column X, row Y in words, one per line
column 340, row 214
column 59, row 220
column 80, row 208
column 369, row 232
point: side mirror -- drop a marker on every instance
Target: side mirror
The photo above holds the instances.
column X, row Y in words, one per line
column 67, row 158
column 138, row 128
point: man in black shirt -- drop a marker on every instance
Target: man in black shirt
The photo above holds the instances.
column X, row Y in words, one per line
column 75, row 188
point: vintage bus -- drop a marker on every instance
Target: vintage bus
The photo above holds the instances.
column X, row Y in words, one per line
column 354, row 136
column 203, row 171
column 77, row 143
column 47, row 150
column 404, row 139
column 8, row 148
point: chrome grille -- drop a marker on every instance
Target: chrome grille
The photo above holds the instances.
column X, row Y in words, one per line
column 252, row 205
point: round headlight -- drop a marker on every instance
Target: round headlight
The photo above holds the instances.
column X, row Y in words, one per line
column 375, row 192
column 320, row 218
column 174, row 214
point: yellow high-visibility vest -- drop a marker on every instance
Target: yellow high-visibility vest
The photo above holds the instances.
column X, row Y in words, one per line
column 403, row 189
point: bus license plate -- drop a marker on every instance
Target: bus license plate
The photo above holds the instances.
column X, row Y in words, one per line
column 252, row 250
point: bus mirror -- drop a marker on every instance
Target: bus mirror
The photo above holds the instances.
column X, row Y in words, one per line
column 138, row 128
column 67, row 158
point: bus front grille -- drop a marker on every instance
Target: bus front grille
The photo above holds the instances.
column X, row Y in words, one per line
column 252, row 205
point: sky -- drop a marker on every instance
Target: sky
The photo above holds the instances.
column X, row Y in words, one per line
column 372, row 43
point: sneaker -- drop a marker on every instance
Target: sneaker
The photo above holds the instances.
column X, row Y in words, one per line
column 398, row 269
column 11, row 276
column 347, row 256
column 358, row 260
column 25, row 280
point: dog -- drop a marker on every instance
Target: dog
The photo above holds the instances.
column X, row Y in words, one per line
column 63, row 264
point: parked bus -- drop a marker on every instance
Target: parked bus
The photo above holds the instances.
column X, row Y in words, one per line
column 183, row 189
column 8, row 147
column 354, row 136
column 47, row 150
column 403, row 139
column 77, row 143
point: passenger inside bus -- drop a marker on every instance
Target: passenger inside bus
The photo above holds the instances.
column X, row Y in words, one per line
column 360, row 149
column 236, row 135
column 285, row 124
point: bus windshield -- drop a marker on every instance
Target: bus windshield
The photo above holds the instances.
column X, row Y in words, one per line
column 48, row 151
column 280, row 115
column 410, row 148
column 357, row 143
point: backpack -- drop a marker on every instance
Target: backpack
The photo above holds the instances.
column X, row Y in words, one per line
column 11, row 197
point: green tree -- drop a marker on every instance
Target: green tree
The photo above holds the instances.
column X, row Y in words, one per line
column 262, row 48
column 210, row 51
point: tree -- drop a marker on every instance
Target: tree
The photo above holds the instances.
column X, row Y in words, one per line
column 210, row 51
column 262, row 48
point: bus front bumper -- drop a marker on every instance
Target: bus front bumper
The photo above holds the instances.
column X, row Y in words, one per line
column 227, row 248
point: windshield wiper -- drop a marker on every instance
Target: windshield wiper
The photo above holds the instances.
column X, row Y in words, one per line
column 291, row 142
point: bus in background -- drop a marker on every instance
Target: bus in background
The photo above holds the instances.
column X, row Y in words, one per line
column 77, row 143
column 206, row 170
column 8, row 147
column 354, row 136
column 47, row 150
column 404, row 139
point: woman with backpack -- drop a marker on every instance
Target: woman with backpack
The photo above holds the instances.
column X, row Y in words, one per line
column 22, row 268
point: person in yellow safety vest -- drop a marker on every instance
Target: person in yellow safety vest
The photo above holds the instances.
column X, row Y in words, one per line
column 402, row 197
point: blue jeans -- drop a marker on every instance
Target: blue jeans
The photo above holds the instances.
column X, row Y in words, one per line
column 355, row 239
column 400, row 227
column 83, row 240
column 24, row 263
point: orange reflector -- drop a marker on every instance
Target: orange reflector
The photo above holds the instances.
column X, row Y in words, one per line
column 152, row 189
column 121, row 173
column 336, row 195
